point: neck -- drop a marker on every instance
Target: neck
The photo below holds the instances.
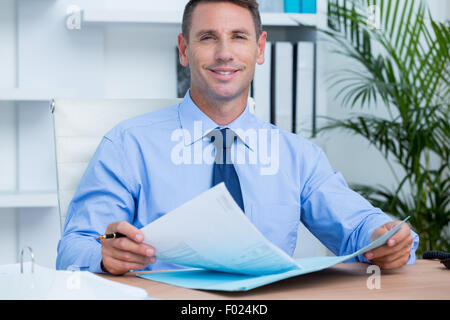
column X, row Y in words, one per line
column 222, row 112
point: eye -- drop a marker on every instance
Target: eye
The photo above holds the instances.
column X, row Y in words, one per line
column 205, row 38
column 241, row 37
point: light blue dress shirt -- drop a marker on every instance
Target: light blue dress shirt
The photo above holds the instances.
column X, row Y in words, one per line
column 151, row 164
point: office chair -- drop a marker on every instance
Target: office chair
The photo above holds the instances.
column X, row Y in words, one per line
column 79, row 126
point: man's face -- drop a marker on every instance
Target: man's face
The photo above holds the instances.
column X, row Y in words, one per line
column 222, row 50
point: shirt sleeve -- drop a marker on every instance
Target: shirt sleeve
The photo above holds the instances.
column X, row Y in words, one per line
column 338, row 216
column 103, row 196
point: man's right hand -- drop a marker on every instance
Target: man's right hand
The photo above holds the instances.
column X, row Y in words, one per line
column 127, row 253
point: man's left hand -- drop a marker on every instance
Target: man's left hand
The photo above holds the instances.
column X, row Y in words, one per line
column 395, row 253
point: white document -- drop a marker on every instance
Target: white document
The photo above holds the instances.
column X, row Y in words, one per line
column 45, row 283
column 211, row 280
column 211, row 232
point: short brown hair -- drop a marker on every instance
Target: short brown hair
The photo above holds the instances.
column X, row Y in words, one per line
column 251, row 5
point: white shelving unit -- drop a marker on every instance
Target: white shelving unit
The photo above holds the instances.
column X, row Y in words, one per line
column 16, row 94
column 288, row 19
column 28, row 200
column 267, row 19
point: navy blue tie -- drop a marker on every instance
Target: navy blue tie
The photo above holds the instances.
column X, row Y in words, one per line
column 224, row 170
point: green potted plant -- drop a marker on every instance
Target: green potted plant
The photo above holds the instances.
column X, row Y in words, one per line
column 403, row 59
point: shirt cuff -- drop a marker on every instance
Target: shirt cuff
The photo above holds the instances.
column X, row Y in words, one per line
column 95, row 260
column 414, row 245
column 372, row 223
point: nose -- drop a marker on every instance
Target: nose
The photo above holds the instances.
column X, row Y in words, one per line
column 223, row 51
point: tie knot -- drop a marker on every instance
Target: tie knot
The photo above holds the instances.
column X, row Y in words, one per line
column 223, row 138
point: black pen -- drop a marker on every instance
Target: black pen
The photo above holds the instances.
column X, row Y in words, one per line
column 112, row 235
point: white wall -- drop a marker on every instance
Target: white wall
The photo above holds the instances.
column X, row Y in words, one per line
column 7, row 49
column 8, row 236
column 7, row 146
column 440, row 9
column 8, row 216
column 140, row 61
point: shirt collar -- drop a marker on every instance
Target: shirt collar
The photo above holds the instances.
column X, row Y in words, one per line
column 196, row 124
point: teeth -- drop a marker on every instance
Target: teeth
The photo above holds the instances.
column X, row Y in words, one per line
column 224, row 72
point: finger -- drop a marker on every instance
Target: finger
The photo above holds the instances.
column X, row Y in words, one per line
column 400, row 235
column 127, row 256
column 126, row 244
column 404, row 251
column 115, row 266
column 398, row 262
column 127, row 229
column 388, row 250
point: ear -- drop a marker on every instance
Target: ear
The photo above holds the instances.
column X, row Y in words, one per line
column 182, row 49
column 261, row 47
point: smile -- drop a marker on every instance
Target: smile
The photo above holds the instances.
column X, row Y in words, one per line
column 223, row 75
column 224, row 72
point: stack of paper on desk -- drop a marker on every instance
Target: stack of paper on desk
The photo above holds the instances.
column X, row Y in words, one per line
column 211, row 234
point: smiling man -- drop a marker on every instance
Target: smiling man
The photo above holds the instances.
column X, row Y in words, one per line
column 136, row 177
column 221, row 44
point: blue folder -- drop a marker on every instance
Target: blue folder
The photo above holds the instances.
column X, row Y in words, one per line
column 292, row 6
column 308, row 6
column 222, row 281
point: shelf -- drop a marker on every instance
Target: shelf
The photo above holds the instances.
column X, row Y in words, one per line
column 16, row 94
column 28, row 199
column 91, row 16
column 288, row 19
column 268, row 19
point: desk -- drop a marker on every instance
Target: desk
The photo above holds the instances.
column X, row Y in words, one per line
column 424, row 280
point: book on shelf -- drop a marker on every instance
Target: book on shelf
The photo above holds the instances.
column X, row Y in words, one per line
column 292, row 6
column 300, row 6
column 308, row 6
column 305, row 89
column 284, row 82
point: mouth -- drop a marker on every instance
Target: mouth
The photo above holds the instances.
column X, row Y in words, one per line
column 224, row 74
